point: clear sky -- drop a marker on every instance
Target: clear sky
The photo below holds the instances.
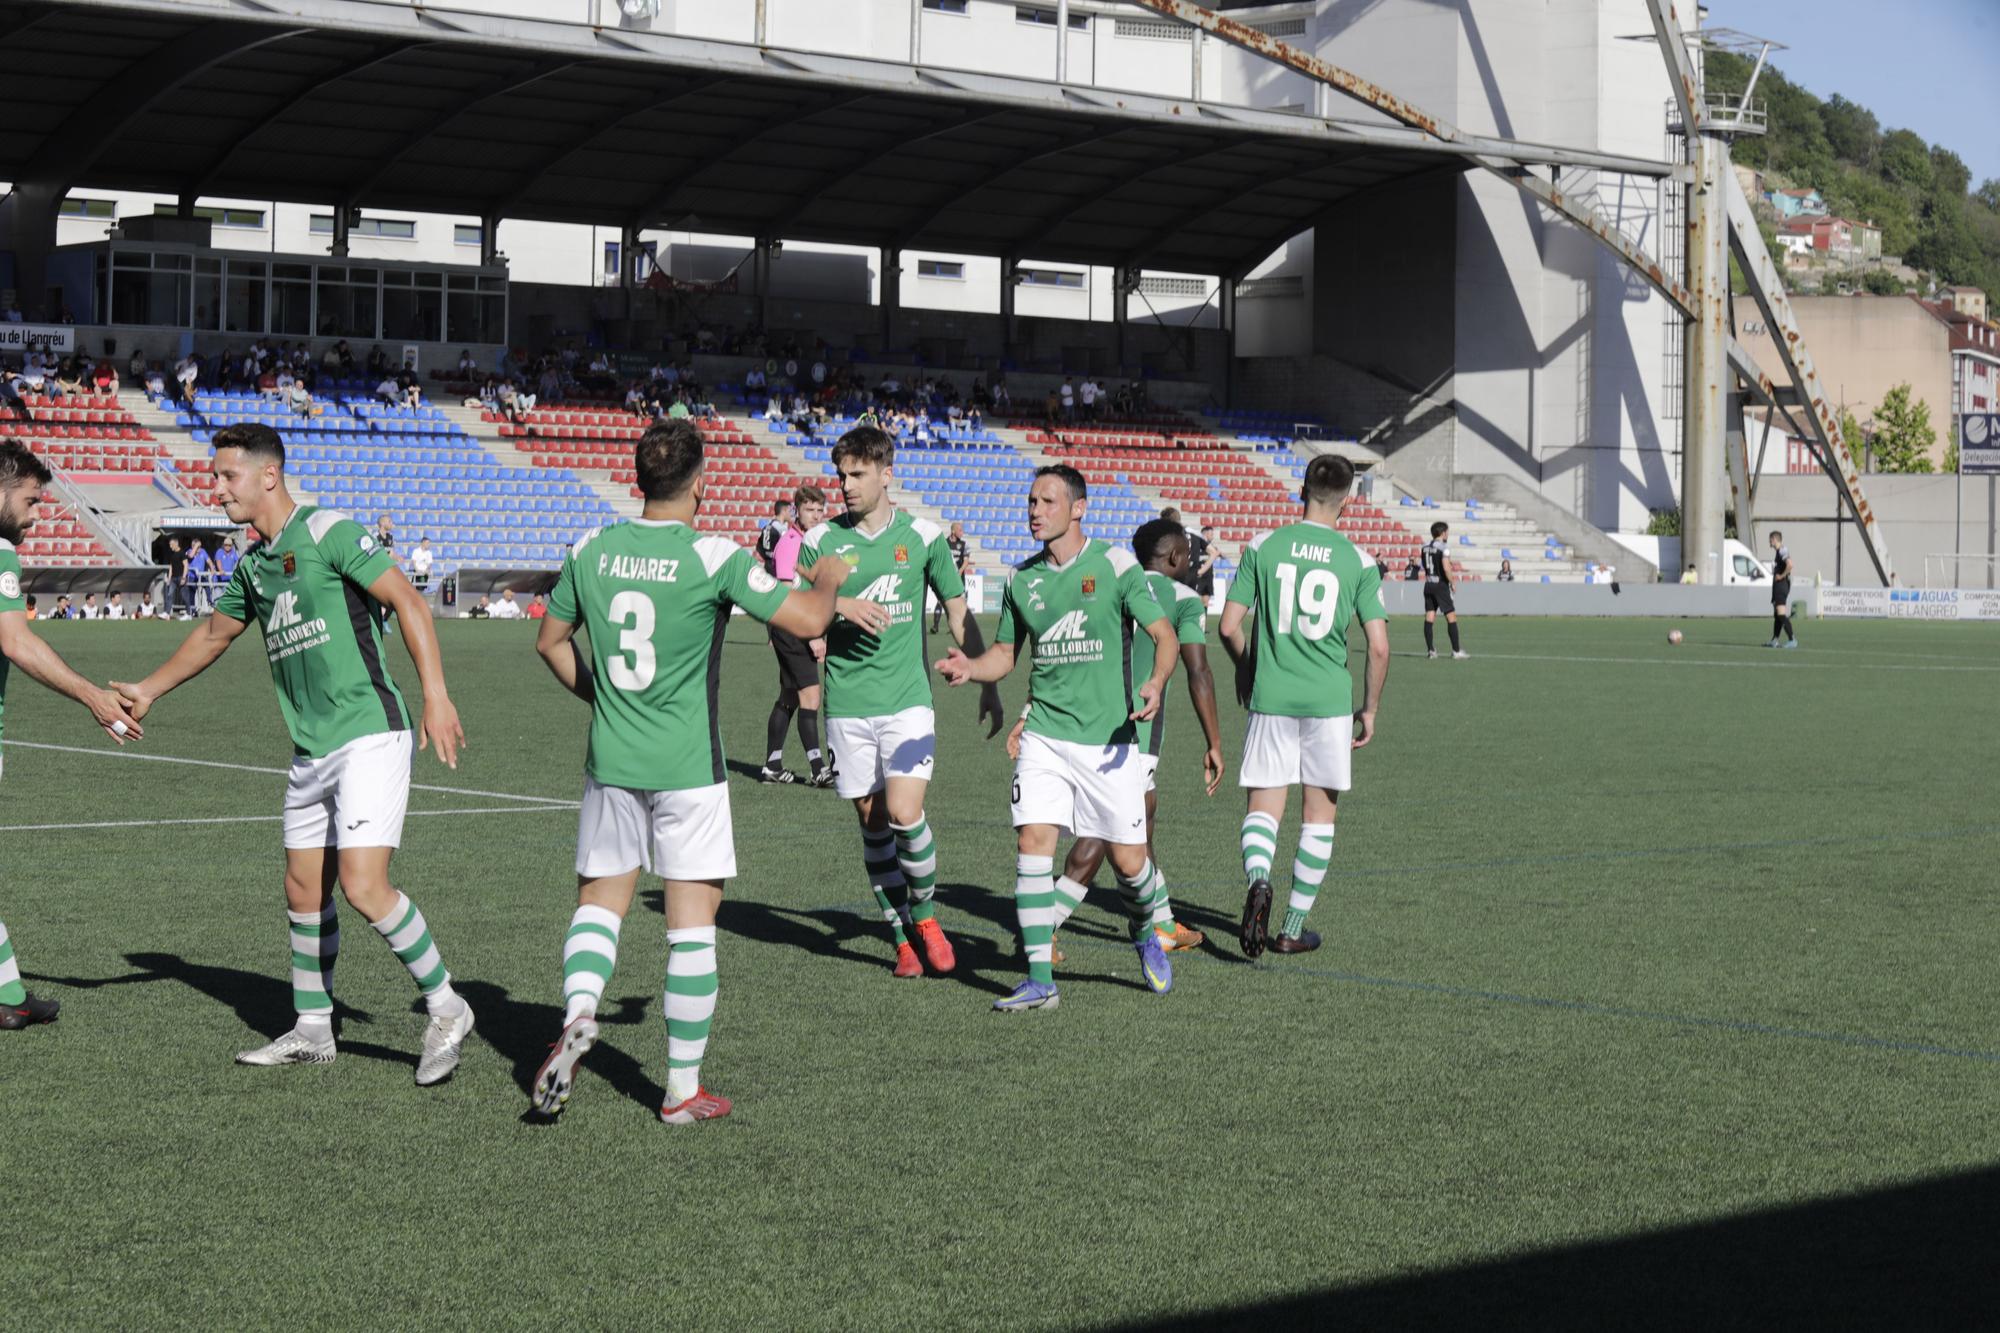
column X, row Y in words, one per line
column 1923, row 65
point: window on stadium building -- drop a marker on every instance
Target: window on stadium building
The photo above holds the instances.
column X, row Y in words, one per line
column 89, row 208
column 413, row 305
column 467, row 235
column 291, row 298
column 346, row 301
column 941, row 268
column 1049, row 277
column 1047, row 17
column 946, row 6
column 248, row 219
column 475, row 308
column 387, row 229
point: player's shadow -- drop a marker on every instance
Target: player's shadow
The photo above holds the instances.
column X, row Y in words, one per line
column 261, row 1003
column 522, row 1030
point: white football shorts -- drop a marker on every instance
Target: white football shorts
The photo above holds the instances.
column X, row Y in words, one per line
column 1094, row 791
column 355, row 797
column 868, row 751
column 1290, row 751
column 673, row 834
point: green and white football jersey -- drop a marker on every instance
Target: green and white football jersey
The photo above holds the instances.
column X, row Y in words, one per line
column 1184, row 607
column 306, row 586
column 11, row 599
column 1081, row 618
column 874, row 675
column 654, row 597
column 1304, row 583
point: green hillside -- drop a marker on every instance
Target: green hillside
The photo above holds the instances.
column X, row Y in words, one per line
column 1920, row 194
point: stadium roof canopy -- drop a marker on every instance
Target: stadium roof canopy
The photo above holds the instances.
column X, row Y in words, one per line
column 398, row 106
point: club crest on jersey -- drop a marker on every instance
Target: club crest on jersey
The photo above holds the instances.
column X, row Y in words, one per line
column 902, row 555
column 1089, row 586
column 291, row 563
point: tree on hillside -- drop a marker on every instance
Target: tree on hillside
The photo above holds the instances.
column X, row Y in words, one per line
column 1851, row 131
column 1988, row 193
column 1850, row 433
column 1906, row 160
column 1903, row 433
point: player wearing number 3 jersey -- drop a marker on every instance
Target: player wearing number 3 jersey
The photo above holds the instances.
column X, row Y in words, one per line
column 655, row 597
column 1302, row 584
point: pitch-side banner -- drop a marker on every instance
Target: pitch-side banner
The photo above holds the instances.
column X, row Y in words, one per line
column 50, row 337
column 1910, row 603
column 1979, row 444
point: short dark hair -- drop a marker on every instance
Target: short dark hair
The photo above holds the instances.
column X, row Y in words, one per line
column 1328, row 478
column 1079, row 489
column 1777, row 536
column 18, row 462
column 1171, row 514
column 1154, row 534
column 808, row 494
column 253, row 438
column 866, row 444
column 1440, row 528
column 778, row 505
column 668, row 459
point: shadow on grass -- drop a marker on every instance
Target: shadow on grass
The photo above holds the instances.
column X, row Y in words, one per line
column 522, row 1030
column 854, row 937
column 261, row 1003
column 1909, row 1256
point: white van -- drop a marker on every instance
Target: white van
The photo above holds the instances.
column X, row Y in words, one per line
column 1741, row 568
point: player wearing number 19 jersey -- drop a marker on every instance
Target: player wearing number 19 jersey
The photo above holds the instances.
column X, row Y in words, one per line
column 1079, row 605
column 311, row 582
column 655, row 597
column 878, row 693
column 1303, row 584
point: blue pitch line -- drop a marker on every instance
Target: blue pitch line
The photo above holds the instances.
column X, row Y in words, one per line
column 1695, row 849
column 1587, row 1007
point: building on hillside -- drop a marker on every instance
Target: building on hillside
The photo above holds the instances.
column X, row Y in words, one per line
column 1797, row 203
column 1864, row 346
column 1975, row 355
column 1796, row 236
column 1832, row 237
column 1967, row 301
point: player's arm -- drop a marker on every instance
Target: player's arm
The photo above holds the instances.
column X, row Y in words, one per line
column 1166, row 652
column 806, row 612
column 965, row 633
column 32, row 653
column 440, row 725
column 1201, row 692
column 992, row 665
column 556, row 642
column 1234, row 637
column 199, row 651
column 1375, row 677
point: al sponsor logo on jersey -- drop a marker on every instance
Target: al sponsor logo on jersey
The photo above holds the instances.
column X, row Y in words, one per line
column 1069, row 640
column 287, row 632
column 887, row 592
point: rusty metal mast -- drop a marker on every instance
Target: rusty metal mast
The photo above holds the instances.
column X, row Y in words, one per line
column 1719, row 223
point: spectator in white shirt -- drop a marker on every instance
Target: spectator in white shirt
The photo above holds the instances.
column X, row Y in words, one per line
column 506, row 608
column 186, row 371
column 90, row 610
column 1068, row 392
column 1089, row 392
column 389, row 391
column 420, row 565
column 115, row 608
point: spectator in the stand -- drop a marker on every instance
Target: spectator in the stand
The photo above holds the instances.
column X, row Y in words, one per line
column 506, row 608
column 389, row 391
column 467, row 366
column 1506, row 574
column 187, row 371
column 146, row 611
column 421, row 560
column 1052, row 409
column 114, row 609
column 104, row 375
column 226, row 560
column 509, row 401
column 73, row 377
column 635, row 400
column 329, row 361
column 1413, row 570
column 137, row 366
column 63, row 610
column 753, row 380
column 539, row 608
column 1068, row 392
column 482, row 611
column 344, row 357
column 413, row 392
column 1088, row 392
column 378, row 360
column 199, row 569
column 299, row 399
column 90, row 609
column 1689, row 578
column 267, row 384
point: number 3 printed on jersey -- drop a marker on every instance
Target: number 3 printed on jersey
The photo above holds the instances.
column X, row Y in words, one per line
column 632, row 666
column 1311, row 601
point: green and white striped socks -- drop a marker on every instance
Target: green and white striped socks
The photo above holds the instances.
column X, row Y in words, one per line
column 11, row 989
column 1308, row 869
column 1259, row 840
column 590, row 952
column 1035, row 908
column 916, row 856
column 1145, row 898
column 691, row 987
column 410, row 936
column 315, row 946
column 878, row 853
column 1069, row 897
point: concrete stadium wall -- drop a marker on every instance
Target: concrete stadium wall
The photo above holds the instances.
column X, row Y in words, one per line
column 1917, row 516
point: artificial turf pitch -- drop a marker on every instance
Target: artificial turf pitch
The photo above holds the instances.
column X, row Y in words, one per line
column 1657, row 988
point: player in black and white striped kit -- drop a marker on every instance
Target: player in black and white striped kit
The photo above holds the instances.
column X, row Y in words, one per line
column 1437, row 592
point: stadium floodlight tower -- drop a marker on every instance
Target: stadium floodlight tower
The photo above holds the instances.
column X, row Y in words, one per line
column 1719, row 224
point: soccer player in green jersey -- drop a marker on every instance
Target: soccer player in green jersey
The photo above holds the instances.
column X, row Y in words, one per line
column 312, row 581
column 1078, row 604
column 23, row 481
column 878, row 711
column 655, row 598
column 1163, row 550
column 1303, row 583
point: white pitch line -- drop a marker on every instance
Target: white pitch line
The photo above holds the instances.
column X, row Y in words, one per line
column 281, row 772
column 259, row 819
column 1789, row 665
